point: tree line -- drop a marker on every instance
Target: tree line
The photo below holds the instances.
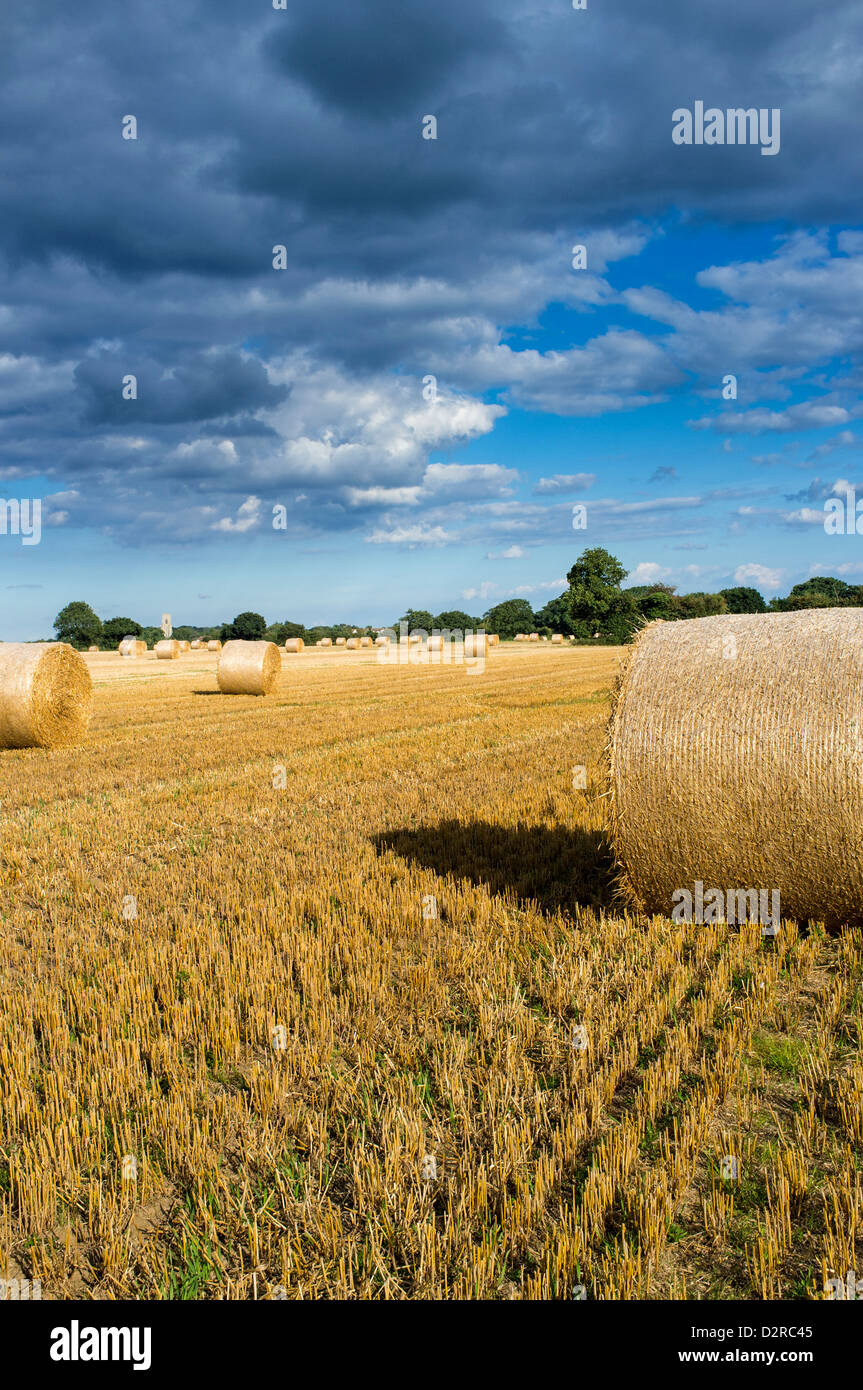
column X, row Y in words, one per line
column 594, row 608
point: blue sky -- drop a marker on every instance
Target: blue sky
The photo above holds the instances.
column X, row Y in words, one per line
column 302, row 388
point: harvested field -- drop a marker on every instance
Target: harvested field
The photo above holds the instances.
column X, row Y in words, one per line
column 264, row 960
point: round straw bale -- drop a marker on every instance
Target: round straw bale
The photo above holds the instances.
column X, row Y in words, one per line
column 436, row 642
column 556, row 638
column 128, row 647
column 382, row 640
column 353, row 644
column 196, row 644
column 214, row 645
column 167, row 650
column 475, row 644
column 414, row 637
column 734, row 760
column 92, row 649
column 493, row 639
column 45, row 695
column 248, row 668
column 341, row 641
column 184, row 645
column 534, row 637
column 365, row 641
column 325, row 641
column 294, row 644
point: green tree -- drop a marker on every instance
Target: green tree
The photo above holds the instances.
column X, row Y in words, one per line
column 743, row 600
column 597, row 604
column 508, row 618
column 821, row 591
column 115, row 629
column 78, row 625
column 701, row 605
column 280, row 632
column 416, row 618
column 246, row 627
column 455, row 620
column 554, row 616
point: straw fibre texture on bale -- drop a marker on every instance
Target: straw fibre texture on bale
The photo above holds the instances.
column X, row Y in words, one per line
column 294, row 644
column 167, row 650
column 475, row 644
column 735, row 758
column 248, row 668
column 353, row 644
column 45, row 695
column 214, row 646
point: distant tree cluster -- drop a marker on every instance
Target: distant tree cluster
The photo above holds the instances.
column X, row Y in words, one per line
column 594, row 608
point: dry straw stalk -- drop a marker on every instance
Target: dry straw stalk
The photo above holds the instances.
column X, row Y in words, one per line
column 735, row 758
column 248, row 668
column 45, row 695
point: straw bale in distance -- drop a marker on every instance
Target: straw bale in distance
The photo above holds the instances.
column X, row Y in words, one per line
column 184, row 645
column 556, row 638
column 214, row 646
column 294, row 644
column 734, row 759
column 365, row 641
column 382, row 640
column 493, row 639
column 534, row 637
column 167, row 650
column 325, row 641
column 128, row 647
column 353, row 644
column 341, row 641
column 92, row 649
column 196, row 644
column 45, row 695
column 475, row 644
column 248, row 668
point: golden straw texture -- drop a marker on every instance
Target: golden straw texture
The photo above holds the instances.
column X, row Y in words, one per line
column 248, row 668
column 45, row 695
column 325, row 641
column 167, row 650
column 735, row 758
column 475, row 644
column 294, row 644
column 214, row 646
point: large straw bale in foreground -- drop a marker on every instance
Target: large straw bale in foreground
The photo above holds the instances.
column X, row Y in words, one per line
column 294, row 644
column 167, row 650
column 248, row 668
column 736, row 759
column 45, row 695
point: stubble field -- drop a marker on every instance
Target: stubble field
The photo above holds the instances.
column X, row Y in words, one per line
column 327, row 995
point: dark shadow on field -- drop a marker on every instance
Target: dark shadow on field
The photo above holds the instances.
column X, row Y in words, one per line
column 555, row 868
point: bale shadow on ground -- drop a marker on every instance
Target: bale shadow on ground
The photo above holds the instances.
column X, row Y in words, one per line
column 555, row 867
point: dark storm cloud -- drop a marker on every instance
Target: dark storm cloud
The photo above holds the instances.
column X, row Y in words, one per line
column 210, row 386
column 374, row 60
column 260, row 127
